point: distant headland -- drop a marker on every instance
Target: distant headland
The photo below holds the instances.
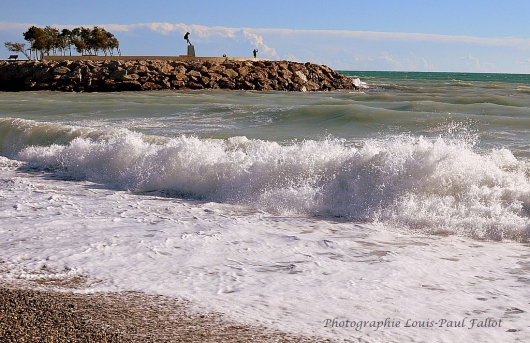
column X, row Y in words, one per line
column 137, row 73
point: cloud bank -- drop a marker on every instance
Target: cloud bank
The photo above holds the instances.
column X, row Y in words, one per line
column 340, row 49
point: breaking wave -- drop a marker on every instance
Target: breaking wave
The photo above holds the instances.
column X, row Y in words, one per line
column 435, row 186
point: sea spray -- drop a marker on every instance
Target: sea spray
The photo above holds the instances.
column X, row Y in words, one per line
column 441, row 185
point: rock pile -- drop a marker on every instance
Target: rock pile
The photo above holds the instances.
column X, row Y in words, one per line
column 108, row 76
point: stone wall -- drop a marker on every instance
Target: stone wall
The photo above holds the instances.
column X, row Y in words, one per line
column 108, row 76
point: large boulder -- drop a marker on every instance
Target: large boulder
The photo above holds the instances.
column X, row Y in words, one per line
column 61, row 70
column 230, row 73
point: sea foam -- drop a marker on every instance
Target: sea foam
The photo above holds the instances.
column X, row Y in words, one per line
column 441, row 185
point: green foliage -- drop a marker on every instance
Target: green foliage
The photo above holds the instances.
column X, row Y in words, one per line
column 49, row 40
column 17, row 47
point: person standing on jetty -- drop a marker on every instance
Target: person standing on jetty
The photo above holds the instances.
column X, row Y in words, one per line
column 255, row 52
column 187, row 37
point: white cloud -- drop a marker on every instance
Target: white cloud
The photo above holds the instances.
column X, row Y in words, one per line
column 428, row 66
column 19, row 27
column 166, row 28
column 255, row 35
column 391, row 61
column 475, row 64
column 362, row 58
column 207, row 31
column 471, row 61
column 204, row 33
column 351, row 50
column 291, row 57
column 257, row 41
column 520, row 43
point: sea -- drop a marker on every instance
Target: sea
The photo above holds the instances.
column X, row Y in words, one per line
column 399, row 212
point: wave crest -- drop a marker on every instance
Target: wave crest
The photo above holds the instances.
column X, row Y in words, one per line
column 430, row 186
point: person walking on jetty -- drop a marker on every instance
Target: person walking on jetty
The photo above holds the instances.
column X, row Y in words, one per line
column 187, row 37
column 255, row 52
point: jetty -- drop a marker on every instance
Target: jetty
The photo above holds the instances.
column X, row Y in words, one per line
column 140, row 73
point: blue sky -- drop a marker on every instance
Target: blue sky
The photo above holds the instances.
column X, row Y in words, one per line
column 406, row 35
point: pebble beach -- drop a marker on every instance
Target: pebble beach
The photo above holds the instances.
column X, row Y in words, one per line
column 30, row 315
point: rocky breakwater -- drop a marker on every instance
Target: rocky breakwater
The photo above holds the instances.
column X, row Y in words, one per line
column 115, row 75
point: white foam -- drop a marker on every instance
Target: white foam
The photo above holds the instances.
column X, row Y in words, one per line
column 360, row 84
column 440, row 185
column 290, row 273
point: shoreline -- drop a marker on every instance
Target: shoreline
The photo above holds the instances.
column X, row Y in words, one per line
column 114, row 75
column 44, row 315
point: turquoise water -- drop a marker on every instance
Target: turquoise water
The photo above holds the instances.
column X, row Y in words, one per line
column 378, row 76
column 458, row 142
column 493, row 110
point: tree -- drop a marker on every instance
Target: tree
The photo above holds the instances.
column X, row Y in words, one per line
column 42, row 40
column 80, row 45
column 66, row 40
column 48, row 40
column 112, row 43
column 85, row 35
column 76, row 40
column 98, row 38
column 51, row 40
column 32, row 35
column 17, row 47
